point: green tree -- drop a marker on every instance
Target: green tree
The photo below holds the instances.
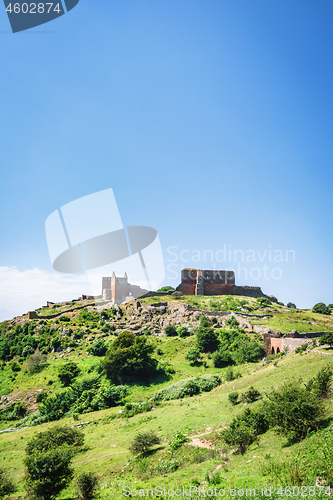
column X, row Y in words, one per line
column 327, row 338
column 320, row 308
column 182, row 331
column 232, row 322
column 207, row 339
column 129, row 356
column 170, row 331
column 248, row 351
column 48, row 472
column 233, row 397
column 144, row 442
column 55, row 437
column 68, row 372
column 291, row 305
column 7, row 486
column 193, row 355
column 221, row 359
column 294, row 410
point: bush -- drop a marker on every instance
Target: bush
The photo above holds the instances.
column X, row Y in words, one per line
column 301, row 348
column 327, row 338
column 27, row 350
column 250, row 395
column 233, row 397
column 165, row 289
column 193, row 355
column 54, row 438
column 99, row 348
column 15, row 367
column 321, row 384
column 41, row 396
column 49, row 472
column 320, row 308
column 178, row 440
column 187, row 387
column 245, row 428
column 232, row 322
column 170, row 331
column 264, row 301
column 87, row 483
column 65, row 319
column 291, row 305
column 204, row 321
column 294, row 410
column 129, row 356
column 231, row 374
column 248, row 351
column 222, row 359
column 36, row 362
column 132, row 409
column 207, row 339
column 144, row 442
column 182, row 331
column 7, row 486
column 68, row 372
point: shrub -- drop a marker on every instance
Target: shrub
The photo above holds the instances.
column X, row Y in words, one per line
column 54, row 438
column 182, row 331
column 68, row 372
column 264, row 301
column 99, row 348
column 207, row 339
column 301, row 348
column 176, row 294
column 87, row 483
column 65, row 319
column 231, row 374
column 129, row 356
column 193, row 355
column 245, row 428
column 327, row 338
column 232, row 322
column 187, row 387
column 144, row 442
column 250, row 395
column 291, row 305
column 321, row 384
column 27, row 350
column 178, row 440
column 7, row 486
column 221, row 359
column 320, row 308
column 49, row 472
column 204, row 321
column 170, row 331
column 15, row 367
column 233, row 397
column 36, row 362
column 41, row 396
column 248, row 351
column 165, row 289
column 294, row 410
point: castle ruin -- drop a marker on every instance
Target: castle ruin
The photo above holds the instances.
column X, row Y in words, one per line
column 118, row 289
column 208, row 282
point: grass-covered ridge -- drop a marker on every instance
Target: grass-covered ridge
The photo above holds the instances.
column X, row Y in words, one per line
column 180, row 395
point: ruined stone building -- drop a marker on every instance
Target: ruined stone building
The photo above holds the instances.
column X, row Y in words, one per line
column 208, row 282
column 118, row 289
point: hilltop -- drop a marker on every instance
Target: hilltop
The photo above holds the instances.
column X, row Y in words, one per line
column 34, row 351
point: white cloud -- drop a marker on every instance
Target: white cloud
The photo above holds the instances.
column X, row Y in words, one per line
column 23, row 291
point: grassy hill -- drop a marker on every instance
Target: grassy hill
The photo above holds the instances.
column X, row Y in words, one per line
column 108, row 433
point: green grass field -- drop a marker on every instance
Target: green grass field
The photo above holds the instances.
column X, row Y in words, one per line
column 108, row 434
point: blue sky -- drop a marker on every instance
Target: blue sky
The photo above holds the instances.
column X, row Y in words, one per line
column 211, row 121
